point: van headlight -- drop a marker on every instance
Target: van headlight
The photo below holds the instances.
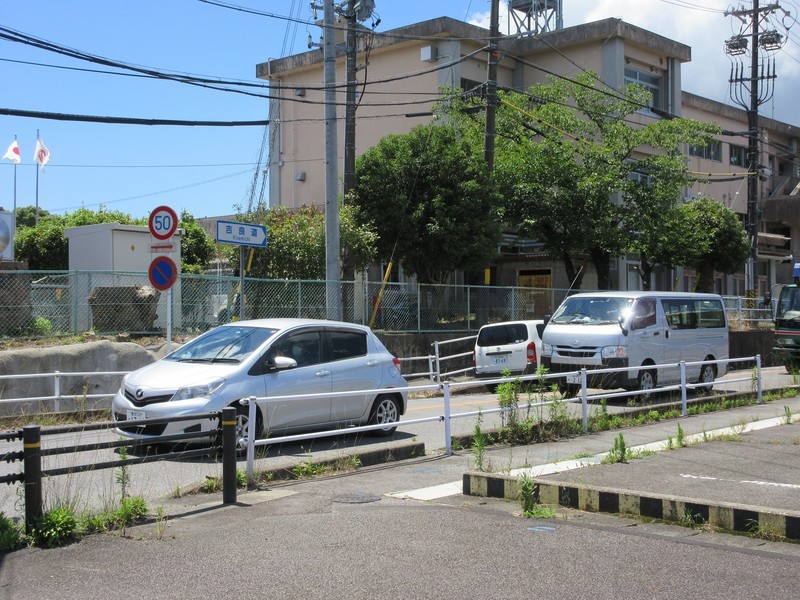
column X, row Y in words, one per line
column 547, row 350
column 198, row 390
column 614, row 352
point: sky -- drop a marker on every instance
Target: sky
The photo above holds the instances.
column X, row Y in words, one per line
column 209, row 171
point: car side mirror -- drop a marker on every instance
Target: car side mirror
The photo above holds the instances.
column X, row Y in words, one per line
column 279, row 363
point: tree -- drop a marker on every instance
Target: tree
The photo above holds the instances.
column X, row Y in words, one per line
column 567, row 159
column 713, row 240
column 26, row 216
column 431, row 199
column 296, row 243
column 197, row 249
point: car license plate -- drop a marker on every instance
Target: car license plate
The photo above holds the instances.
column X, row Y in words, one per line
column 574, row 378
column 136, row 415
column 499, row 361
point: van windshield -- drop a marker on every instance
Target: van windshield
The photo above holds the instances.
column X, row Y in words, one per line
column 591, row 311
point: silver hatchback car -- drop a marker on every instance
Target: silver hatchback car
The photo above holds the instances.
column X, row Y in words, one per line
column 270, row 359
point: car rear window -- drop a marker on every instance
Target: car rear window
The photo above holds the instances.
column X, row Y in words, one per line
column 500, row 335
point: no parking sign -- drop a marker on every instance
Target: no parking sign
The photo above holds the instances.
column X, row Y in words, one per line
column 163, row 272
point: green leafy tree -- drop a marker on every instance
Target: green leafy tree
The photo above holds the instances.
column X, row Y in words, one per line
column 713, row 240
column 296, row 243
column 568, row 157
column 26, row 216
column 197, row 248
column 432, row 201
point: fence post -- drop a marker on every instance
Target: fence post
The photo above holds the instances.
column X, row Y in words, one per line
column 683, row 388
column 758, row 377
column 448, row 442
column 57, row 392
column 228, row 423
column 32, row 457
column 438, row 364
column 584, row 405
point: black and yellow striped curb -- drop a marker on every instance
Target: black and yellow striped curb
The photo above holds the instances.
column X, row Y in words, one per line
column 731, row 517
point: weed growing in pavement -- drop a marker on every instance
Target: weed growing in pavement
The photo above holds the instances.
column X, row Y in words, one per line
column 54, row 528
column 529, row 498
column 308, row 469
column 619, row 452
column 123, row 473
column 692, row 520
column 681, row 438
column 670, row 443
column 479, row 444
column 10, row 534
column 787, row 415
column 131, row 509
column 161, row 523
column 763, row 532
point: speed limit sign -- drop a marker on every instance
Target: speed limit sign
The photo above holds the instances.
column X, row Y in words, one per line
column 163, row 223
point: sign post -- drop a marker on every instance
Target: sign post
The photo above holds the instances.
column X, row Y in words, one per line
column 163, row 272
column 242, row 234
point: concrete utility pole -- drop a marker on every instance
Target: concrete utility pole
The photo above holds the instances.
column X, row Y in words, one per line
column 351, row 52
column 746, row 91
column 333, row 275
column 491, row 85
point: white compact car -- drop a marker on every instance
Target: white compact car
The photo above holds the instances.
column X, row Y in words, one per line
column 511, row 345
column 270, row 359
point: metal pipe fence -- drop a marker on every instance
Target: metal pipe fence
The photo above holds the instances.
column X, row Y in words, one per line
column 584, row 399
column 49, row 303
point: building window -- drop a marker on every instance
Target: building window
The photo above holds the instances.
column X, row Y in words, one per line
column 738, row 155
column 711, row 152
column 651, row 82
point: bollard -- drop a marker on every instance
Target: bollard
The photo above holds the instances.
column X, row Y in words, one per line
column 32, row 452
column 228, row 455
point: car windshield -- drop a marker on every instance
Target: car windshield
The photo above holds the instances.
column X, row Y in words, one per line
column 224, row 344
column 591, row 311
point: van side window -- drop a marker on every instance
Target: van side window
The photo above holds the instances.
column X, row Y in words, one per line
column 693, row 314
column 644, row 314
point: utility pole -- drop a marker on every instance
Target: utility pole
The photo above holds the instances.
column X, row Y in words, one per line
column 333, row 275
column 491, row 85
column 761, row 41
column 351, row 53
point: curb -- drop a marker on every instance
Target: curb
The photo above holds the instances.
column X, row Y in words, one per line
column 731, row 517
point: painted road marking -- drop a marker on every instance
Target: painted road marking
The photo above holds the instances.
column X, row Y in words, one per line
column 455, row 488
column 743, row 481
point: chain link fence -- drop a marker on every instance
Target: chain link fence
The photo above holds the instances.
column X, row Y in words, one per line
column 42, row 303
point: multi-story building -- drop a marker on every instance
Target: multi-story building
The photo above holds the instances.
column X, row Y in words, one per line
column 405, row 67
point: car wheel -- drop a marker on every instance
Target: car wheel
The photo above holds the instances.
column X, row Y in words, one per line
column 384, row 411
column 243, row 425
column 646, row 382
column 707, row 376
column 569, row 390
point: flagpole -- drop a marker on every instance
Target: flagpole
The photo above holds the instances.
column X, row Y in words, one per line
column 36, row 214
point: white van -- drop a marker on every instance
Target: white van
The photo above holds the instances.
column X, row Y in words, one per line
column 636, row 329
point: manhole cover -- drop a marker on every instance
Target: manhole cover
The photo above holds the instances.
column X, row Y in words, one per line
column 357, row 498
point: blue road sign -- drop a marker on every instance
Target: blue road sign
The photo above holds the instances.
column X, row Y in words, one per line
column 163, row 273
column 245, row 234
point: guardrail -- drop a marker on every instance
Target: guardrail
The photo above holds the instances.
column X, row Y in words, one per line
column 251, row 443
column 32, row 453
column 58, row 396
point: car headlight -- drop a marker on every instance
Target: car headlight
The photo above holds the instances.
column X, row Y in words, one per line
column 614, row 352
column 547, row 350
column 198, row 390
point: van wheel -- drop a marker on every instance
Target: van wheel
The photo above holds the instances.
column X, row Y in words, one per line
column 646, row 382
column 384, row 411
column 707, row 375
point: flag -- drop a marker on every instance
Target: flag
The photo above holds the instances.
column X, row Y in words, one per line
column 42, row 154
column 12, row 153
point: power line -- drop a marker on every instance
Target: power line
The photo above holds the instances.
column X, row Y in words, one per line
column 12, row 112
